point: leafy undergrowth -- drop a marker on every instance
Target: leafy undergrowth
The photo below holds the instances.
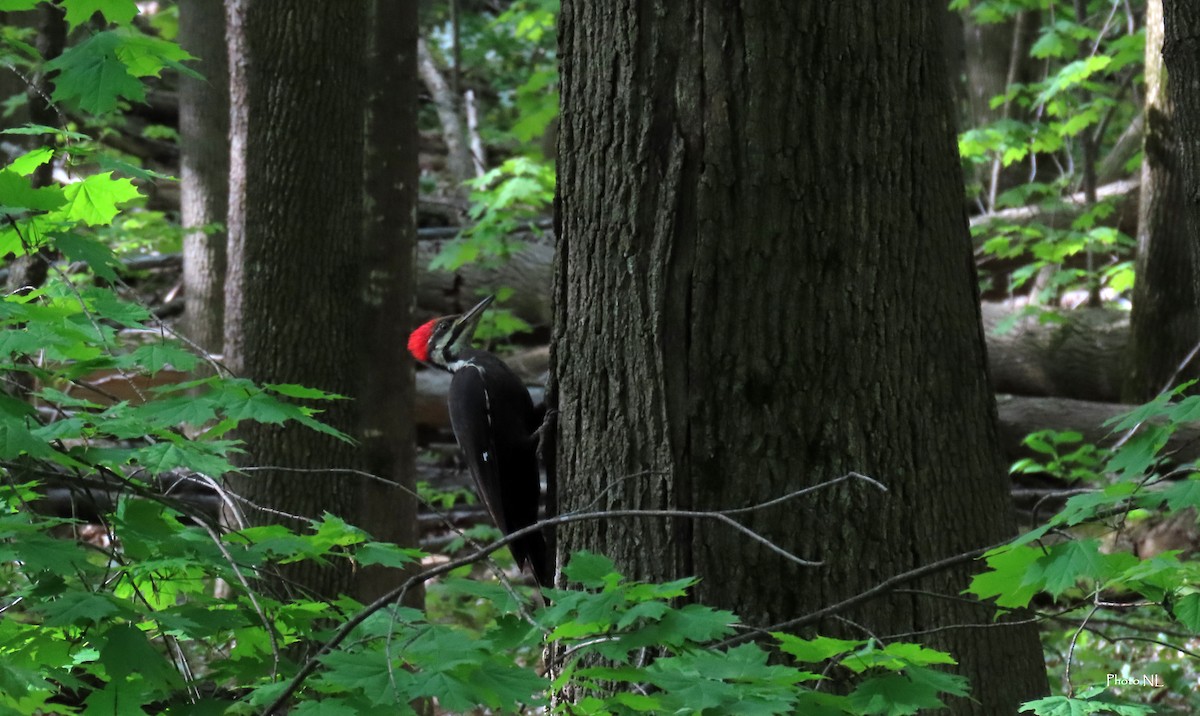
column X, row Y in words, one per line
column 1120, row 613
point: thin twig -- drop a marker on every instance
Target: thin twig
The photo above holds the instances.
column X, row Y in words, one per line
column 879, row 589
column 262, row 614
column 1071, row 650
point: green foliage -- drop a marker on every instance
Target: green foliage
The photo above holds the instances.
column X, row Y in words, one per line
column 611, row 627
column 510, row 60
column 1082, row 95
column 1119, row 606
column 505, row 200
column 126, row 619
column 1066, row 456
column 1091, row 701
column 107, row 67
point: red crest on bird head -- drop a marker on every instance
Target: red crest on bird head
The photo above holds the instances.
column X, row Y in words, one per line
column 418, row 341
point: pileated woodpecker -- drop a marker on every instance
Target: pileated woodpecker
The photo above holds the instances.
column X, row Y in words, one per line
column 496, row 426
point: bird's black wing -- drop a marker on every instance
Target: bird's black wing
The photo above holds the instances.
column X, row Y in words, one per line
column 471, row 417
column 494, row 421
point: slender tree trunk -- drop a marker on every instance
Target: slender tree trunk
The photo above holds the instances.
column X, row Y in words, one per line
column 293, row 312
column 387, row 392
column 447, row 103
column 764, row 281
column 1165, row 321
column 29, row 271
column 204, row 170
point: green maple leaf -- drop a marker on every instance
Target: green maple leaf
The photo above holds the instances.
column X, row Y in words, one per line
column 1085, row 506
column 367, row 671
column 155, row 356
column 387, row 554
column 147, row 56
column 895, row 695
column 110, row 163
column 651, row 611
column 261, row 407
column 940, row 681
column 94, row 200
column 119, row 12
column 127, row 651
column 92, row 76
column 202, row 457
column 292, row 390
column 1187, row 611
column 698, row 623
column 917, row 655
column 1180, row 495
column 119, row 697
column 502, row 686
column 90, row 251
column 30, row 130
column 1006, row 578
column 1066, row 706
column 176, row 410
column 16, row 439
column 17, row 194
column 27, row 162
column 195, row 621
column 1069, row 562
column 588, row 569
column 78, row 608
column 1136, row 456
column 817, row 649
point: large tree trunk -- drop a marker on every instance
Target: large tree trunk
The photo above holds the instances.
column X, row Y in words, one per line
column 1165, row 322
column 295, row 245
column 386, row 394
column 762, row 285
column 204, row 170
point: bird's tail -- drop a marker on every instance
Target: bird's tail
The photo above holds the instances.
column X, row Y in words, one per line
column 531, row 550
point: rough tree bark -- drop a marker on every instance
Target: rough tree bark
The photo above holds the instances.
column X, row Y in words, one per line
column 204, row 170
column 762, row 285
column 1165, row 322
column 1181, row 57
column 295, row 244
column 386, row 395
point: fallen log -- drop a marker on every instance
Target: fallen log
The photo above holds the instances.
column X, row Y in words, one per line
column 1080, row 354
column 526, row 272
column 1020, row 416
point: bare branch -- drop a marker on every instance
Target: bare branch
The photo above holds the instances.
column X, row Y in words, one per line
column 459, row 157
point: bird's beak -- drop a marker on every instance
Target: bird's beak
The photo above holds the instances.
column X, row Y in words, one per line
column 463, row 329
